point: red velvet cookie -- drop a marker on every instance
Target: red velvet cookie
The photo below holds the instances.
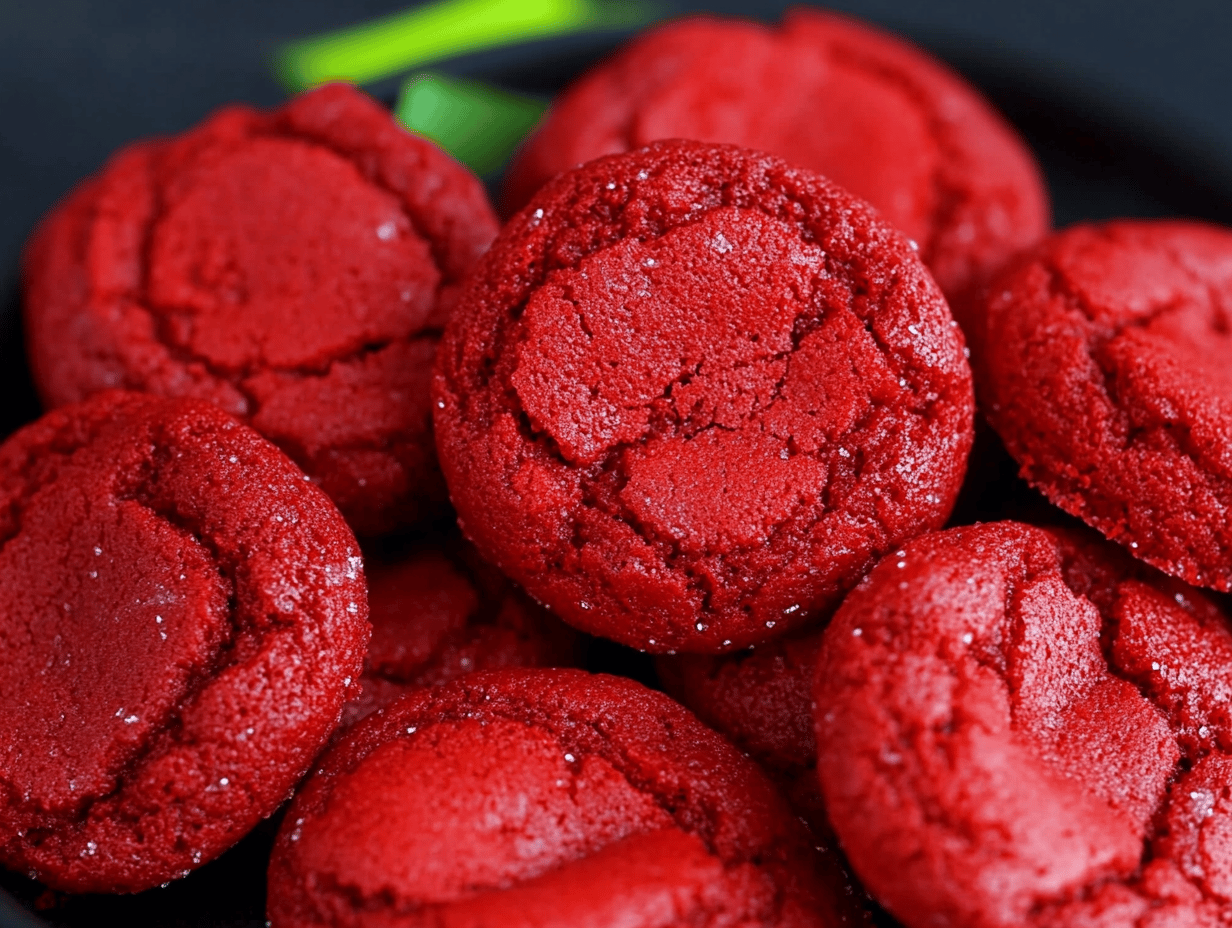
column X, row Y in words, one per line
column 762, row 701
column 438, row 614
column 1018, row 727
column 1107, row 375
column 875, row 114
column 183, row 613
column 541, row 798
column 293, row 267
column 692, row 393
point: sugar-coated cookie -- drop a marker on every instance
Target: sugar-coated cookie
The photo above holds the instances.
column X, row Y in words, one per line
column 183, row 614
column 691, row 393
column 875, row 114
column 541, row 798
column 1107, row 374
column 294, row 267
column 1021, row 727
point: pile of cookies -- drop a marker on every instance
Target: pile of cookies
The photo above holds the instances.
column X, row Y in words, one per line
column 697, row 397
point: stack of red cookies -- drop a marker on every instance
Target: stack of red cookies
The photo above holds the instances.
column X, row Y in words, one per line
column 697, row 397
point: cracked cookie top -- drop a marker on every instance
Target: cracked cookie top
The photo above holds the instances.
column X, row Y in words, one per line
column 573, row 799
column 873, row 113
column 1107, row 376
column 692, row 393
column 294, row 267
column 1028, row 727
column 183, row 615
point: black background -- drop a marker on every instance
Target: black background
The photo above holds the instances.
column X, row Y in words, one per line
column 1127, row 103
column 80, row 78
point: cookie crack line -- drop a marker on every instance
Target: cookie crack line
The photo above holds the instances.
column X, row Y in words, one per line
column 158, row 314
column 221, row 656
column 1060, row 287
column 17, row 507
column 439, row 257
column 834, row 268
column 949, row 195
column 669, row 550
column 1108, row 632
column 240, row 380
column 816, row 313
column 563, row 730
column 168, row 733
column 937, row 816
column 385, row 900
column 545, row 265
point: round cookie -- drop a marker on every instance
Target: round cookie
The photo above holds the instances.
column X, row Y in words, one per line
column 571, row 799
column 1020, row 727
column 692, row 393
column 183, row 613
column 873, row 113
column 1106, row 374
column 438, row 614
column 294, row 267
column 762, row 701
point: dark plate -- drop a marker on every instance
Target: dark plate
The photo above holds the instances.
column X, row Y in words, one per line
column 1105, row 151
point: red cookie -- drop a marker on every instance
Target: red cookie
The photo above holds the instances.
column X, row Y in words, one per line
column 438, row 615
column 692, row 393
column 1107, row 375
column 762, row 701
column 1018, row 727
column 877, row 115
column 294, row 267
column 568, row 799
column 183, row 613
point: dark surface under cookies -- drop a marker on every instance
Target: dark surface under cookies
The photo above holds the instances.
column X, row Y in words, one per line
column 1124, row 104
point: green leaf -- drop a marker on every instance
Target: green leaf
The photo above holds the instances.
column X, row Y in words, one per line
column 436, row 31
column 477, row 124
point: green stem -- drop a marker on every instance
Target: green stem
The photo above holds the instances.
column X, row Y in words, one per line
column 444, row 29
column 477, row 124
